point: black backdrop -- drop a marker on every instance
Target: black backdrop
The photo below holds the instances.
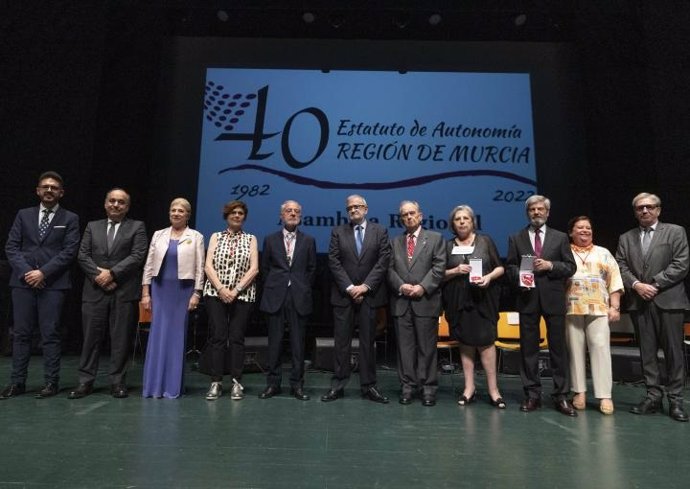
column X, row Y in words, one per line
column 78, row 89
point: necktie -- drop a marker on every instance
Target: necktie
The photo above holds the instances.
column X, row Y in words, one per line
column 111, row 235
column 537, row 242
column 646, row 239
column 410, row 247
column 288, row 246
column 359, row 240
column 43, row 225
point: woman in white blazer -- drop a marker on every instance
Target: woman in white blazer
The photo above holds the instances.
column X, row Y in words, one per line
column 171, row 287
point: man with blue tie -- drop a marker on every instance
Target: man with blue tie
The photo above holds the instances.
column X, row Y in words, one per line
column 288, row 270
column 41, row 247
column 654, row 260
column 358, row 257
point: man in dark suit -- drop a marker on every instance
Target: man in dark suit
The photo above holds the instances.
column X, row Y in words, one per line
column 358, row 257
column 288, row 270
column 415, row 273
column 541, row 292
column 111, row 255
column 41, row 246
column 654, row 261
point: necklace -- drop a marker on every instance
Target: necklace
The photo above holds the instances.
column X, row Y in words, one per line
column 580, row 250
column 468, row 241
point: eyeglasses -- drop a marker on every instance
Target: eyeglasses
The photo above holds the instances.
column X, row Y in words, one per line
column 354, row 207
column 649, row 207
column 49, row 187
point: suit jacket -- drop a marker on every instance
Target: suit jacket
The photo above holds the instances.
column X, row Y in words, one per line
column 125, row 260
column 548, row 296
column 427, row 268
column 349, row 268
column 53, row 255
column 277, row 273
column 666, row 264
column 190, row 256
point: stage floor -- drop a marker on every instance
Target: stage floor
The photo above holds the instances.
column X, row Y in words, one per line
column 101, row 442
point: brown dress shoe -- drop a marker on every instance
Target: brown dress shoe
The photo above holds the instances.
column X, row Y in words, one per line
column 530, row 404
column 565, row 407
column 49, row 390
column 12, row 390
column 82, row 390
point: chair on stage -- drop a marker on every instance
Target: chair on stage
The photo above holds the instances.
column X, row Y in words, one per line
column 508, row 335
column 445, row 342
column 143, row 327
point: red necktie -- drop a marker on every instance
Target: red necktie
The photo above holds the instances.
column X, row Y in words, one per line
column 410, row 247
column 537, row 242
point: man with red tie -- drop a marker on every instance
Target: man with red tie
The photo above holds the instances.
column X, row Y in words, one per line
column 41, row 247
column 539, row 264
column 415, row 273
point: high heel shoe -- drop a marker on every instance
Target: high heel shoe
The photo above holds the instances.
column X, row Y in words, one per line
column 464, row 401
column 498, row 403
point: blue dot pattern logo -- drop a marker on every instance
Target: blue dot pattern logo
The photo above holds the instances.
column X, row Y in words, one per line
column 223, row 108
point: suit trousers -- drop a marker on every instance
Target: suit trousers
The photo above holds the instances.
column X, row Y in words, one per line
column 589, row 333
column 33, row 308
column 227, row 323
column 558, row 353
column 297, row 325
column 417, row 354
column 658, row 328
column 344, row 320
column 119, row 318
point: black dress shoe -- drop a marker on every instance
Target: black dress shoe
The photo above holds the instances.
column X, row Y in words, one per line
column 405, row 399
column 428, row 401
column 564, row 406
column 49, row 390
column 12, row 390
column 82, row 390
column 530, row 404
column 373, row 394
column 676, row 411
column 270, row 391
column 647, row 406
column 332, row 395
column 298, row 393
column 119, row 391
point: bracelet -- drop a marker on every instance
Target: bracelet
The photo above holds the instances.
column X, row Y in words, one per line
column 617, row 308
column 239, row 289
column 145, row 296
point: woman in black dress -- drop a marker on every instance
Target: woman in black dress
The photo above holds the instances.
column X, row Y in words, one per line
column 470, row 300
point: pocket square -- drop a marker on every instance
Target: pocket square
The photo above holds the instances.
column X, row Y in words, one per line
column 59, row 227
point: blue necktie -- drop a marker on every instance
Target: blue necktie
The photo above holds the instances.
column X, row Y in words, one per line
column 359, row 240
column 43, row 225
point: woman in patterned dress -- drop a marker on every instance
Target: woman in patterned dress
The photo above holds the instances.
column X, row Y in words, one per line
column 232, row 264
column 593, row 300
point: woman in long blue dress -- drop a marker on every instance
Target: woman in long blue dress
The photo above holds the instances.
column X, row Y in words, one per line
column 171, row 287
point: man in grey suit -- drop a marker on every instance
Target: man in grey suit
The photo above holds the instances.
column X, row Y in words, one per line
column 358, row 257
column 111, row 255
column 417, row 266
column 288, row 270
column 654, row 261
column 541, row 292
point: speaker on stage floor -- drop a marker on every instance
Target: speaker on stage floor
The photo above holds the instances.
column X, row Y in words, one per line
column 323, row 354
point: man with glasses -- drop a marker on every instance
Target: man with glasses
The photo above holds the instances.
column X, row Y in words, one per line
column 41, row 247
column 358, row 256
column 654, row 260
column 288, row 271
